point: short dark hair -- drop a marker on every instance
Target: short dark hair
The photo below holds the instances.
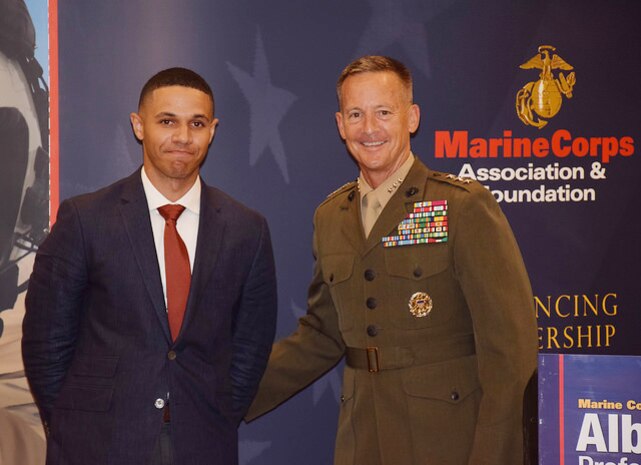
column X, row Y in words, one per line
column 373, row 64
column 176, row 77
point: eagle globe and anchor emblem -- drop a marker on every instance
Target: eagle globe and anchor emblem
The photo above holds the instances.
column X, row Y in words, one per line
column 544, row 97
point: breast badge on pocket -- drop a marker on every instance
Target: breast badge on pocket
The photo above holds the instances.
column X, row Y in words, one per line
column 420, row 304
column 427, row 224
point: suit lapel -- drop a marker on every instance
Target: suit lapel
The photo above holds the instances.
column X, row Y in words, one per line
column 211, row 230
column 399, row 206
column 135, row 215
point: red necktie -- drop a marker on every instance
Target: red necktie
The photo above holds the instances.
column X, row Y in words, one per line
column 177, row 270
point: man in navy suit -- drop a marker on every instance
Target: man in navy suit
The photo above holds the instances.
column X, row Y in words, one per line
column 113, row 382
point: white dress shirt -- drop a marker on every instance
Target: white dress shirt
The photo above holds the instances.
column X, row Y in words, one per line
column 187, row 224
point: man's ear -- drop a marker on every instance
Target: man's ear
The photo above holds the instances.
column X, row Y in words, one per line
column 414, row 117
column 339, row 124
column 212, row 129
column 136, row 125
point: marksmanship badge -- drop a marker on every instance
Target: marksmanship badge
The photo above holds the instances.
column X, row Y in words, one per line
column 420, row 304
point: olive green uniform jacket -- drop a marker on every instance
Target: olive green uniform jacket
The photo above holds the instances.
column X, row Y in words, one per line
column 449, row 386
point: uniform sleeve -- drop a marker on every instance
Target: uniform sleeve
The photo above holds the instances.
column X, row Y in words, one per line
column 53, row 308
column 255, row 325
column 493, row 278
column 311, row 350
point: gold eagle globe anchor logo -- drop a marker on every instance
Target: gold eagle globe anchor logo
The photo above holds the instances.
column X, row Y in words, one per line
column 544, row 97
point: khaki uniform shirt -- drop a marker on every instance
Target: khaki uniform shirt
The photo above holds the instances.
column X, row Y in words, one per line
column 374, row 200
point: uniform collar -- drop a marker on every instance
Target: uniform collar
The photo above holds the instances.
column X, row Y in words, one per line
column 387, row 188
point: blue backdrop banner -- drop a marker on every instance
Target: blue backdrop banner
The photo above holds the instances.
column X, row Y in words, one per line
column 537, row 100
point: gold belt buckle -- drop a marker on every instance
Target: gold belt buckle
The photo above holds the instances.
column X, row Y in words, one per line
column 372, row 360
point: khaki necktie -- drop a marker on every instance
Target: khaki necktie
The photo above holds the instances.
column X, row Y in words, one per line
column 177, row 270
column 372, row 209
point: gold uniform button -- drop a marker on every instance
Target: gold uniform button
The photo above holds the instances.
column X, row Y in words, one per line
column 372, row 331
column 171, row 355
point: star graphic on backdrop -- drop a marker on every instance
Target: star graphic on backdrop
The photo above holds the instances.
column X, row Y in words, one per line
column 268, row 106
column 401, row 22
column 331, row 380
column 249, row 450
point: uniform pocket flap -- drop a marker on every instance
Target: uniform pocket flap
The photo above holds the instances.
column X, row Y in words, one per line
column 98, row 367
column 450, row 381
column 337, row 268
column 417, row 261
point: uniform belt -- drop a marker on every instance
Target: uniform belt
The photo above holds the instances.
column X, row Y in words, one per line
column 376, row 359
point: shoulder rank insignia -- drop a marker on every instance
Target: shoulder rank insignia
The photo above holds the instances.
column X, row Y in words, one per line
column 427, row 224
column 461, row 179
column 342, row 188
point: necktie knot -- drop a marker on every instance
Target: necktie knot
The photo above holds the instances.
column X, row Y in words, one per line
column 171, row 212
column 371, row 201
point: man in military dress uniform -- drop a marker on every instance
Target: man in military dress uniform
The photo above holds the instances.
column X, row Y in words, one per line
column 419, row 283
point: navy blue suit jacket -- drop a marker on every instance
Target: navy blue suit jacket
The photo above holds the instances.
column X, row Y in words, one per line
column 97, row 348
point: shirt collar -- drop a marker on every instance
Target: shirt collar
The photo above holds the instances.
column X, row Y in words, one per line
column 388, row 187
column 191, row 199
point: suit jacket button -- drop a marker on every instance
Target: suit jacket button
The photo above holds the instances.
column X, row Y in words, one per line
column 371, row 303
column 159, row 404
column 418, row 272
column 454, row 395
column 171, row 355
column 369, row 275
column 372, row 330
